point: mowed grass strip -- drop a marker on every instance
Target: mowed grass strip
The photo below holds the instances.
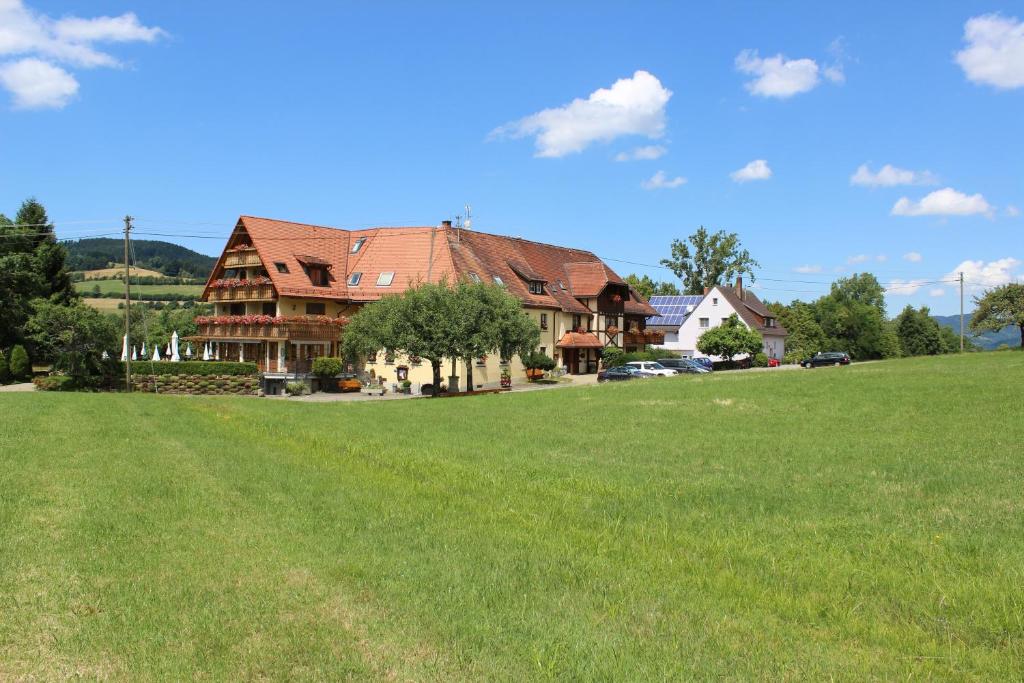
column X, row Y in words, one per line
column 862, row 522
column 117, row 286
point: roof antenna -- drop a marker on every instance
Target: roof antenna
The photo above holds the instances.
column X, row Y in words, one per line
column 469, row 217
column 458, row 229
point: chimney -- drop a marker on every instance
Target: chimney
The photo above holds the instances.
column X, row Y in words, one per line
column 446, row 224
column 706, row 290
column 739, row 287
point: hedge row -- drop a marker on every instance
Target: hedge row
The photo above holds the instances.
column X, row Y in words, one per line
column 199, row 368
column 197, row 384
column 144, row 296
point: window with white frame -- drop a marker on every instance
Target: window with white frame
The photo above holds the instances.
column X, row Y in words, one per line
column 354, row 279
column 358, row 244
column 384, row 279
column 705, row 323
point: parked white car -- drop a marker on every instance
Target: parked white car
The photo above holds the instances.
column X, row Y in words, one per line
column 650, row 368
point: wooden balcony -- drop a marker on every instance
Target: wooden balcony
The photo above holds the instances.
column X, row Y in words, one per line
column 250, row 293
column 643, row 337
column 242, row 258
column 296, row 331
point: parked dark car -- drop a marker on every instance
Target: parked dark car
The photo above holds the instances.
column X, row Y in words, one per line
column 618, row 373
column 683, row 366
column 705, row 362
column 826, row 358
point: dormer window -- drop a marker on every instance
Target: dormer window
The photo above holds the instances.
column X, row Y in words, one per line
column 536, row 287
column 354, row 279
column 317, row 276
column 358, row 244
column 385, row 279
column 769, row 322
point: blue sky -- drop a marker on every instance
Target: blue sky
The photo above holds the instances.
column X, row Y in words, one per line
column 188, row 114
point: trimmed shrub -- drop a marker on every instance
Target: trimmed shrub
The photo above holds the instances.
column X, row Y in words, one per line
column 295, row 388
column 20, row 366
column 760, row 360
column 5, row 370
column 54, row 383
column 193, row 367
column 538, row 361
column 325, row 366
column 612, row 357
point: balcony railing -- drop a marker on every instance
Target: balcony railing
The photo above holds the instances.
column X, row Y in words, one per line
column 642, row 337
column 249, row 293
column 291, row 367
column 240, row 259
column 306, row 331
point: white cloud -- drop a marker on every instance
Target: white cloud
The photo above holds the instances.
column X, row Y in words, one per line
column 756, row 170
column 660, row 181
column 37, row 84
column 890, row 176
column 69, row 41
column 981, row 275
column 881, row 258
column 648, row 153
column 936, row 292
column 995, row 51
column 913, row 257
column 944, row 202
column 777, row 76
column 1012, row 211
column 631, row 106
column 123, row 29
column 904, row 287
column 807, row 269
column 834, row 71
column 859, row 258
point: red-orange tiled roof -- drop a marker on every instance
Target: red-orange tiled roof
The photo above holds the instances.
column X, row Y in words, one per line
column 579, row 340
column 424, row 254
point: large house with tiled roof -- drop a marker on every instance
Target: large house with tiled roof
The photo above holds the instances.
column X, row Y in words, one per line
column 282, row 291
column 683, row 319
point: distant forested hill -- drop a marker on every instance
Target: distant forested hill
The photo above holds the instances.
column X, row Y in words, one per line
column 170, row 259
column 986, row 340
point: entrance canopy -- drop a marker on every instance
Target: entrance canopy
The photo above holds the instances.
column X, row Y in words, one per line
column 579, row 340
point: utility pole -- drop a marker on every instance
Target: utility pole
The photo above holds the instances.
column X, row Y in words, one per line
column 127, row 309
column 961, row 311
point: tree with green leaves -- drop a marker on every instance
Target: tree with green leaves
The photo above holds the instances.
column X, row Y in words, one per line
column 730, row 339
column 32, row 266
column 5, row 369
column 852, row 316
column 74, row 338
column 491, row 321
column 1000, row 307
column 20, row 365
column 715, row 259
column 805, row 337
column 918, row 332
column 647, row 287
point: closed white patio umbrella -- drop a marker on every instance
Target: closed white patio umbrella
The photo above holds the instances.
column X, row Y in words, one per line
column 206, row 351
column 188, row 350
column 135, row 356
column 142, row 351
column 156, row 353
column 124, row 348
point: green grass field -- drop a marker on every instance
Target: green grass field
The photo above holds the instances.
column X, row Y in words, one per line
column 107, row 286
column 851, row 523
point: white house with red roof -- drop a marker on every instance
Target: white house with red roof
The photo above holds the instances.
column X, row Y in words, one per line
column 683, row 319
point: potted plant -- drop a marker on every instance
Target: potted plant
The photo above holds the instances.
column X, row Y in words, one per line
column 506, row 378
column 537, row 364
column 406, row 386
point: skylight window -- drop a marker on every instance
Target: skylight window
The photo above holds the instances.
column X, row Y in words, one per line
column 474, row 277
column 561, row 285
column 499, row 281
column 358, row 244
column 281, row 266
column 354, row 278
column 384, row 279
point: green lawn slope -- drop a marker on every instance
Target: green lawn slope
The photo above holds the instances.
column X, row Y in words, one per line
column 850, row 523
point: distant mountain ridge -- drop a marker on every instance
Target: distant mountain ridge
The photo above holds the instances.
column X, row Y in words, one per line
column 987, row 340
column 168, row 258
